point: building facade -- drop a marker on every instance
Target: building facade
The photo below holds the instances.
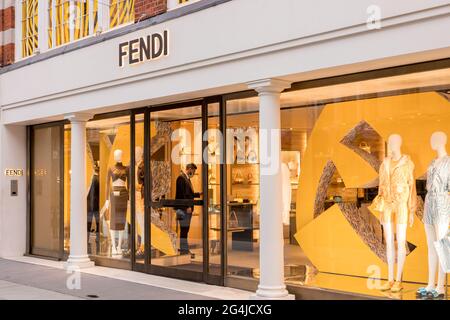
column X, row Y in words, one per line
column 286, row 108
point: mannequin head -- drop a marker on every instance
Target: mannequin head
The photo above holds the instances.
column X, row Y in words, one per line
column 438, row 140
column 118, row 155
column 138, row 153
column 394, row 145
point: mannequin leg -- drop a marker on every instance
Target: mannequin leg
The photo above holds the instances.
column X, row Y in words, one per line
column 140, row 219
column 390, row 249
column 441, row 232
column 432, row 256
column 119, row 246
column 401, row 243
column 140, row 216
column 113, row 241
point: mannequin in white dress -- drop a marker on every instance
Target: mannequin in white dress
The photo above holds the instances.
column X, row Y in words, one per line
column 437, row 211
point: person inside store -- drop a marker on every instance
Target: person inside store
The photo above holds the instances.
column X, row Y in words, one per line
column 185, row 190
column 93, row 209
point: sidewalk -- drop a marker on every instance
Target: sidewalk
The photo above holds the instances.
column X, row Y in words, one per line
column 31, row 278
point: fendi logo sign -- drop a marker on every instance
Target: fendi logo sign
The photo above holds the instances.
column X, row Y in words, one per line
column 147, row 48
column 14, row 172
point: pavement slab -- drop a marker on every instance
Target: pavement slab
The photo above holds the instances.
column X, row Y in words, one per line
column 20, row 280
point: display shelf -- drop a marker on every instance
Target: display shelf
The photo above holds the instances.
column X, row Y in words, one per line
column 245, row 164
column 240, row 203
column 242, row 230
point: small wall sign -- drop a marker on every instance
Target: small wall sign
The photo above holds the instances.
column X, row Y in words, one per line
column 14, row 172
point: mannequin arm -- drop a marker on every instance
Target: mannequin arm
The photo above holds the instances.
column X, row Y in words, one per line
column 412, row 201
column 104, row 208
column 108, row 179
column 411, row 219
column 106, row 205
column 128, row 178
column 382, row 182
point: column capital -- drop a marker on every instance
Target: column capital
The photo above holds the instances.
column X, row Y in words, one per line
column 79, row 117
column 269, row 85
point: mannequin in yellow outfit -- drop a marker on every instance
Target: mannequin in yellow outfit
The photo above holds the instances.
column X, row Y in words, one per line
column 398, row 190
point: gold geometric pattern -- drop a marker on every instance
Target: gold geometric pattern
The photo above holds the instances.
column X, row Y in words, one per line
column 120, row 12
column 60, row 22
column 345, row 240
column 29, row 27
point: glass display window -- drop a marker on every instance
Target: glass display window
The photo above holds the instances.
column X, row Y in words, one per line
column 363, row 170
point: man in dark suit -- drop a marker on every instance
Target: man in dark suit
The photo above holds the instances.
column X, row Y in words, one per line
column 93, row 212
column 185, row 190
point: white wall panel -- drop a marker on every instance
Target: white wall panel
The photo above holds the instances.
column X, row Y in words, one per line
column 12, row 209
column 223, row 47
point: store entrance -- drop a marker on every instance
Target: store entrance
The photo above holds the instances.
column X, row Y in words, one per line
column 47, row 220
column 178, row 196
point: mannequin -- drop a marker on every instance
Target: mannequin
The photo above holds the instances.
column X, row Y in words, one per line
column 239, row 145
column 437, row 211
column 250, row 140
column 397, row 188
column 140, row 175
column 118, row 199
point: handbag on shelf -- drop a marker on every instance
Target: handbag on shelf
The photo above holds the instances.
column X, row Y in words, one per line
column 233, row 222
column 211, row 178
column 238, row 179
column 364, row 146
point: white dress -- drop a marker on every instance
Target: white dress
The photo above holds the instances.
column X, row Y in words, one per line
column 437, row 200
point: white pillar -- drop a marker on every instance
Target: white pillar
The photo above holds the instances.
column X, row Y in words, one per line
column 271, row 249
column 54, row 30
column 43, row 26
column 78, row 206
column 18, row 31
column 91, row 17
column 103, row 15
column 73, row 16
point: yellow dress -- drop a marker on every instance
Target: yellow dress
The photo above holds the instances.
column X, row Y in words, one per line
column 398, row 189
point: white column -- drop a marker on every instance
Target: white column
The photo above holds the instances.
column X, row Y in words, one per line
column 103, row 15
column 18, row 30
column 73, row 16
column 91, row 16
column 271, row 250
column 78, row 206
column 43, row 26
column 54, row 29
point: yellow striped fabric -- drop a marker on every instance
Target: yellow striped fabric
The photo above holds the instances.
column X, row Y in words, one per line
column 29, row 27
column 120, row 12
column 59, row 25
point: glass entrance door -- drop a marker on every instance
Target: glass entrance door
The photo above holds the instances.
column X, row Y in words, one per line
column 47, row 190
column 176, row 193
column 182, row 211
